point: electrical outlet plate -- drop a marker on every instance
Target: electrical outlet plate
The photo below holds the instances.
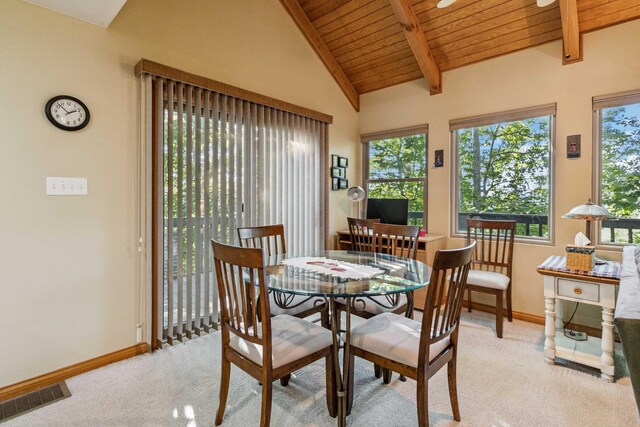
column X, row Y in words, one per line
column 575, row 335
column 61, row 186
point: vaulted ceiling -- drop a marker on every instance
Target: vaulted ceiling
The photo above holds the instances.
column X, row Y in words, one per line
column 372, row 44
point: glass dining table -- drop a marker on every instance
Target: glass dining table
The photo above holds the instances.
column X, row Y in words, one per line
column 352, row 278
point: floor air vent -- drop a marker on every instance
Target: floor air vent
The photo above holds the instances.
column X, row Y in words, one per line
column 34, row 400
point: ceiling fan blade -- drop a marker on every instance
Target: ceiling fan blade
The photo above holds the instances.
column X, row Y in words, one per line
column 543, row 3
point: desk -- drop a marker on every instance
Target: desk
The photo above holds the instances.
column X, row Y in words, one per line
column 397, row 275
column 597, row 287
column 427, row 247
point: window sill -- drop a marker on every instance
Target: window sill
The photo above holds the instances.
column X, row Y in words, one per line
column 517, row 240
column 612, row 248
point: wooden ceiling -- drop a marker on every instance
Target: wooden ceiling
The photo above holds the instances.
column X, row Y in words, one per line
column 372, row 44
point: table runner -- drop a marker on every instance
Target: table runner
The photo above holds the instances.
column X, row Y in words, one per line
column 330, row 267
column 610, row 269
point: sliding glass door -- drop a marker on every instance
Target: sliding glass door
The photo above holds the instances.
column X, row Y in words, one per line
column 221, row 163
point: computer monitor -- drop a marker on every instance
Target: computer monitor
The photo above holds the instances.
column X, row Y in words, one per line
column 390, row 211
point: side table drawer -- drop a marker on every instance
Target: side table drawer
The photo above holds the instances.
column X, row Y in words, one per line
column 579, row 290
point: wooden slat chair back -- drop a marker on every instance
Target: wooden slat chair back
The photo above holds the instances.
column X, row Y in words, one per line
column 361, row 232
column 392, row 341
column 494, row 244
column 237, row 271
column 398, row 240
column 269, row 238
column 493, row 253
column 247, row 338
column 447, row 283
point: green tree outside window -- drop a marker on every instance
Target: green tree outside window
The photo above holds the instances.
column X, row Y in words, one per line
column 504, row 172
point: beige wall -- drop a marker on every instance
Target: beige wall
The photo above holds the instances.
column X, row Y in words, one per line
column 528, row 78
column 68, row 288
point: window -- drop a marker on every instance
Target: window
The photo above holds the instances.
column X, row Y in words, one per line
column 503, row 170
column 395, row 168
column 617, row 166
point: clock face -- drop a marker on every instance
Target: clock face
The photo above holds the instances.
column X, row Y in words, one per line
column 67, row 112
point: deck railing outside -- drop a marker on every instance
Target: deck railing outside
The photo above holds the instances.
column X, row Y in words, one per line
column 619, row 230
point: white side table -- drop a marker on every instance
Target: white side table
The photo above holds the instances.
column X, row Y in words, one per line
column 562, row 284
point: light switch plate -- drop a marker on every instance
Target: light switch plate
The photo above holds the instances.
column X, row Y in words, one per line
column 60, row 186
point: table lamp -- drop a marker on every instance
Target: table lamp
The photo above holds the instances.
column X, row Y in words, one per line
column 590, row 212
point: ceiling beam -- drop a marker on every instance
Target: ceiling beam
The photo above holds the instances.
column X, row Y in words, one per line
column 418, row 42
column 311, row 34
column 571, row 39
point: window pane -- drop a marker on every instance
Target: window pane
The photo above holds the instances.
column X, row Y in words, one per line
column 397, row 157
column 503, row 173
column 621, row 173
column 414, row 191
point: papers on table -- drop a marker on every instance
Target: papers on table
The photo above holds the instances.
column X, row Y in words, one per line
column 330, row 267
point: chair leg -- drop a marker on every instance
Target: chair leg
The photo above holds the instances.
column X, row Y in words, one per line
column 350, row 380
column 410, row 305
column 224, row 389
column 423, row 401
column 499, row 313
column 284, row 381
column 386, row 375
column 331, row 386
column 265, row 417
column 469, row 300
column 453, row 387
column 377, row 370
column 509, row 307
column 325, row 321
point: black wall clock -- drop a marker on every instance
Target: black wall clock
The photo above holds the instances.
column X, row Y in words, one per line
column 67, row 113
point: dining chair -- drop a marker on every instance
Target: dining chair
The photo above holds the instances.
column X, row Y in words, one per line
column 266, row 348
column 416, row 349
column 270, row 238
column 399, row 240
column 361, row 233
column 492, row 263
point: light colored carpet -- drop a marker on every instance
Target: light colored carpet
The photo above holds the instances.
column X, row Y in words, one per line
column 500, row 383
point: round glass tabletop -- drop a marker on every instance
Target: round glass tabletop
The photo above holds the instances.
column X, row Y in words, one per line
column 392, row 275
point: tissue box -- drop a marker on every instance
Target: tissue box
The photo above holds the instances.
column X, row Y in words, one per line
column 581, row 257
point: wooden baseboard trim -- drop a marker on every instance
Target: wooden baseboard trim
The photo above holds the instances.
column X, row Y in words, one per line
column 18, row 389
column 531, row 318
column 539, row 320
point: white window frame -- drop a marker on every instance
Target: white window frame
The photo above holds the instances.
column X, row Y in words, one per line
column 397, row 133
column 489, row 119
column 599, row 103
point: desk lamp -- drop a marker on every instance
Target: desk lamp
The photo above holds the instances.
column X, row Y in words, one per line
column 356, row 195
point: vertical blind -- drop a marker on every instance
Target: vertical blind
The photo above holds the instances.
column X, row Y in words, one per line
column 222, row 162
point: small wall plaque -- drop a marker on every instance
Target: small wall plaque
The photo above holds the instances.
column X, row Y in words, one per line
column 573, row 147
column 438, row 161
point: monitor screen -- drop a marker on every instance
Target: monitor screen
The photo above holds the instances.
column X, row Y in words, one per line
column 390, row 211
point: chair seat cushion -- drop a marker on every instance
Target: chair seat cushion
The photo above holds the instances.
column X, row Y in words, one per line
column 488, row 279
column 294, row 300
column 394, row 337
column 374, row 308
column 291, row 339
